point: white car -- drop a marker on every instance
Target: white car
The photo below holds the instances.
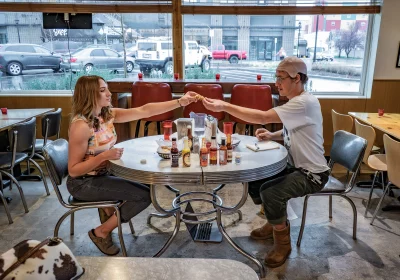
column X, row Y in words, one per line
column 204, row 50
column 157, row 54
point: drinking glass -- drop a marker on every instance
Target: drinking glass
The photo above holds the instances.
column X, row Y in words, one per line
column 228, row 128
column 167, row 126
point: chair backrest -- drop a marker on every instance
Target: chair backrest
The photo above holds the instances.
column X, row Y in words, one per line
column 392, row 150
column 213, row 91
column 26, row 135
column 348, row 150
column 368, row 133
column 341, row 122
column 56, row 158
column 147, row 92
column 251, row 96
column 51, row 124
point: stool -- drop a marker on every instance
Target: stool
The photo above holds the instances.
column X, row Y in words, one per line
column 250, row 96
column 213, row 91
column 145, row 92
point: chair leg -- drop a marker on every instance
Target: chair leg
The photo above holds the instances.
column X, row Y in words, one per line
column 72, row 224
column 370, row 193
column 380, row 202
column 41, row 174
column 131, row 226
column 121, row 237
column 303, row 220
column 63, row 217
column 234, row 128
column 146, row 128
column 354, row 215
column 10, row 221
column 21, row 192
column 246, row 130
column 330, row 207
column 159, row 128
column 137, row 128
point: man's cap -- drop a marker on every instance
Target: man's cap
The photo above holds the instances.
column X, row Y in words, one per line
column 292, row 65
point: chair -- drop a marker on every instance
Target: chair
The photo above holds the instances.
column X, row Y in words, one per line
column 392, row 148
column 51, row 124
column 56, row 160
column 376, row 162
column 213, row 91
column 143, row 93
column 341, row 122
column 250, row 96
column 347, row 150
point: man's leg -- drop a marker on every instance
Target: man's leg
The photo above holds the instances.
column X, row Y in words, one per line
column 275, row 195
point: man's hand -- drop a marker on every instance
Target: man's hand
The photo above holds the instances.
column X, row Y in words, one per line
column 214, row 105
column 263, row 135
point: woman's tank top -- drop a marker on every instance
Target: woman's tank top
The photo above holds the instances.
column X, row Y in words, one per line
column 100, row 140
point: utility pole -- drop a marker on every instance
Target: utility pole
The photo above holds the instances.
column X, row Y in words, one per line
column 316, row 36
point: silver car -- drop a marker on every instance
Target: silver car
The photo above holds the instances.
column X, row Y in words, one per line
column 96, row 57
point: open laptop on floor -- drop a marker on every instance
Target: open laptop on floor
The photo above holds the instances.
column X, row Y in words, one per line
column 207, row 232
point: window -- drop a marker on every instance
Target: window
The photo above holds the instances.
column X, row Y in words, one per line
column 111, row 53
column 41, row 50
column 98, row 52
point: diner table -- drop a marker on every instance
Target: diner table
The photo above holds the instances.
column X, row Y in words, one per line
column 156, row 171
column 98, row 268
column 388, row 123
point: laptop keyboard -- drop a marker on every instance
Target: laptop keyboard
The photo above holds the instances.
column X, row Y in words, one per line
column 204, row 231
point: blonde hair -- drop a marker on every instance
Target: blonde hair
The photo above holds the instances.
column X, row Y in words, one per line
column 85, row 98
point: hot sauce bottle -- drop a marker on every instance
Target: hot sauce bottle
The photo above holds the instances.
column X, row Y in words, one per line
column 229, row 148
column 223, row 151
column 203, row 154
column 174, row 154
column 186, row 152
column 213, row 151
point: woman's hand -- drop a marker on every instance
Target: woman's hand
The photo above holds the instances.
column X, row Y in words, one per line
column 214, row 105
column 263, row 135
column 188, row 98
column 114, row 153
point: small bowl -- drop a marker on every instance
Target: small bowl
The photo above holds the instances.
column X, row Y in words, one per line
column 235, row 143
column 167, row 155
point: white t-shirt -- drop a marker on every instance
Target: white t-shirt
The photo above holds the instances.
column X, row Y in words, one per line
column 302, row 130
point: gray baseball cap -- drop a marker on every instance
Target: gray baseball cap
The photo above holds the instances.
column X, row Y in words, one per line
column 292, row 65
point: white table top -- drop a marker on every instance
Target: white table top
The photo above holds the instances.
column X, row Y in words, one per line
column 254, row 165
column 15, row 116
column 164, row 268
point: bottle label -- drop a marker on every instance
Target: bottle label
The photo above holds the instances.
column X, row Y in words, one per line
column 186, row 159
column 229, row 159
column 190, row 144
column 222, row 157
column 174, row 160
column 204, row 159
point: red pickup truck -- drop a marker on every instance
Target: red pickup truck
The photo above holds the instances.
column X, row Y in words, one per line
column 231, row 55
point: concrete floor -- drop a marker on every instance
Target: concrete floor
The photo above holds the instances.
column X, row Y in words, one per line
column 327, row 250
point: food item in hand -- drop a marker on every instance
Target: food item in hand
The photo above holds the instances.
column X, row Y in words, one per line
column 199, row 97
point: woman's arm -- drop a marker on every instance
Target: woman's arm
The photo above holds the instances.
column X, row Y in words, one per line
column 151, row 109
column 79, row 132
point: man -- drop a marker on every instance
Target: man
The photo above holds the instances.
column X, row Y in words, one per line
column 307, row 170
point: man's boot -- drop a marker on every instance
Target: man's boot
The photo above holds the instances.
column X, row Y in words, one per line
column 264, row 232
column 281, row 249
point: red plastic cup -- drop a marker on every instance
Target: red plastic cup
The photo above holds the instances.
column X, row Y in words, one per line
column 176, row 76
column 259, row 77
column 228, row 128
column 140, row 75
column 381, row 112
column 4, row 111
column 217, row 76
column 167, row 126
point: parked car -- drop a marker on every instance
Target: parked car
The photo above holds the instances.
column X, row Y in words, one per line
column 232, row 56
column 157, row 54
column 17, row 57
column 63, row 47
column 130, row 51
column 204, row 50
column 96, row 57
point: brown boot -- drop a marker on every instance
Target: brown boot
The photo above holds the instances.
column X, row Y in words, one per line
column 105, row 245
column 264, row 232
column 281, row 249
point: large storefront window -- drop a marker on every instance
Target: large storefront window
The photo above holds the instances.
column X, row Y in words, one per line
column 240, row 47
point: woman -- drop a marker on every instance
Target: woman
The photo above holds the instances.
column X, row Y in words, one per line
column 91, row 140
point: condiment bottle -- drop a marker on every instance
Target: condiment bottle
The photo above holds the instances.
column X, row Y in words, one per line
column 186, row 152
column 196, row 145
column 229, row 148
column 213, row 151
column 203, row 154
column 222, row 153
column 174, row 154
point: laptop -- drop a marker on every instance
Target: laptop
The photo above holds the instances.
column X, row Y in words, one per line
column 207, row 232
